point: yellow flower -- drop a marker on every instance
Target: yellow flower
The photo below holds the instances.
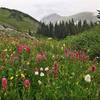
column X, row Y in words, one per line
column 11, row 78
column 5, row 50
column 62, row 48
column 77, row 83
column 9, row 49
column 28, row 63
column 22, row 75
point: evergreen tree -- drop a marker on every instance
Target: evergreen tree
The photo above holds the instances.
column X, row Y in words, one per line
column 67, row 28
column 63, row 30
column 91, row 24
column 39, row 30
column 51, row 29
column 56, row 31
column 85, row 25
column 79, row 26
column 72, row 27
column 98, row 16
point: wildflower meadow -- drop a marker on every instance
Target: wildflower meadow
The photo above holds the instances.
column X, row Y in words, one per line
column 46, row 69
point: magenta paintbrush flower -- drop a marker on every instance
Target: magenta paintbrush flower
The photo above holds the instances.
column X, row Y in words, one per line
column 4, row 83
column 55, row 69
column 92, row 68
column 23, row 47
column 26, row 83
column 40, row 57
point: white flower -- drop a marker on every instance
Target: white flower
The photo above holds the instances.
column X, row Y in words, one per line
column 64, row 44
column 88, row 50
column 41, row 69
column 39, row 82
column 53, row 56
column 49, row 38
column 87, row 78
column 36, row 73
column 62, row 57
column 46, row 69
column 97, row 57
column 41, row 74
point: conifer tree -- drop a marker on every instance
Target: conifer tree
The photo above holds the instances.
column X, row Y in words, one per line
column 98, row 16
column 51, row 29
column 85, row 25
column 79, row 26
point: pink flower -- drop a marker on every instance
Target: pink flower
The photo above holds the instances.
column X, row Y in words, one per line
column 40, row 57
column 55, row 69
column 26, row 83
column 4, row 83
column 23, row 47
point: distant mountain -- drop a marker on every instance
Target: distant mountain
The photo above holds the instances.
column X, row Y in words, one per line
column 53, row 18
column 17, row 20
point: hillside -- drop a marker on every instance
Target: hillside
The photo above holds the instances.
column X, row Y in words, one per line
column 17, row 20
column 89, row 16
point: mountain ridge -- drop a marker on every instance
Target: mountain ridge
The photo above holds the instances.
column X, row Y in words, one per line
column 89, row 16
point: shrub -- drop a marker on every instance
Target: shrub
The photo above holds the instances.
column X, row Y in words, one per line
column 89, row 42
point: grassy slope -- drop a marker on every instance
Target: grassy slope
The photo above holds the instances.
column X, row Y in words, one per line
column 21, row 21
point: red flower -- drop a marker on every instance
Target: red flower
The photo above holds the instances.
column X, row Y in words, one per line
column 4, row 83
column 92, row 68
column 23, row 47
column 84, row 56
column 72, row 55
column 77, row 54
column 26, row 83
column 67, row 52
column 55, row 69
column 40, row 56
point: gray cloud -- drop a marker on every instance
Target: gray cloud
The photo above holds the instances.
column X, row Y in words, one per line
column 40, row 8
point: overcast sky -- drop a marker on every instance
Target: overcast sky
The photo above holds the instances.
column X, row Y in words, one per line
column 40, row 8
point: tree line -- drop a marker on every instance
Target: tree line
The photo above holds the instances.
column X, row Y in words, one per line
column 62, row 29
